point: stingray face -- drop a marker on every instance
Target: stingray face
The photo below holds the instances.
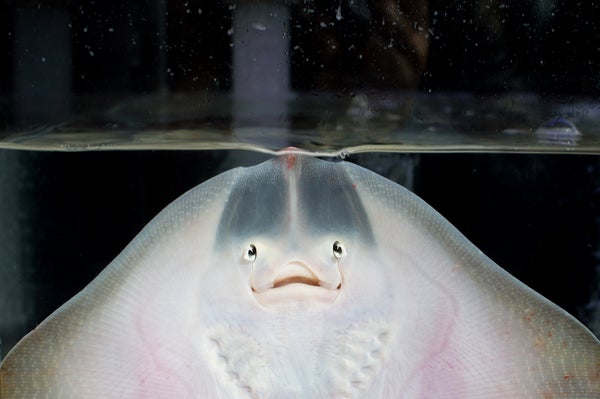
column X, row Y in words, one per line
column 278, row 274
column 294, row 224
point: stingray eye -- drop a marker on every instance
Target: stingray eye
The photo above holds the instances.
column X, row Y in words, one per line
column 250, row 254
column 339, row 249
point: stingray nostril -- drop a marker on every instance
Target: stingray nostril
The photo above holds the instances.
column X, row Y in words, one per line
column 339, row 250
column 250, row 254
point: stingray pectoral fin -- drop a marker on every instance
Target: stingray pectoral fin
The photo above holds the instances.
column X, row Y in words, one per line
column 487, row 334
column 134, row 331
column 1, row 385
column 499, row 349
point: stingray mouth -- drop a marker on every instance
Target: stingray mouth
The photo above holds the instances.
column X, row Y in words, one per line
column 298, row 273
column 296, row 282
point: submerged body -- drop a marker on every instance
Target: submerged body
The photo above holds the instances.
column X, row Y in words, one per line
column 300, row 278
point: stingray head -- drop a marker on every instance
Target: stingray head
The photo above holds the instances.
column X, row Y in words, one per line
column 294, row 221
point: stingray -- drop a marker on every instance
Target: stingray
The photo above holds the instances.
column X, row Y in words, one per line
column 303, row 278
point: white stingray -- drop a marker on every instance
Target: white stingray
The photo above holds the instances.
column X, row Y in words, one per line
column 300, row 278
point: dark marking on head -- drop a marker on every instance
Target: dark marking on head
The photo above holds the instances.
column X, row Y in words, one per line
column 327, row 202
column 255, row 205
column 325, row 189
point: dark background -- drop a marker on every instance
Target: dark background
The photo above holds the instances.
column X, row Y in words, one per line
column 544, row 46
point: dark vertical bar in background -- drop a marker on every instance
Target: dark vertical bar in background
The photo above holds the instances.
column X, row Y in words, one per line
column 42, row 65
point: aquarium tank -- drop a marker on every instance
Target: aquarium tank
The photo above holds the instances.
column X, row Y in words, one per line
column 488, row 110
